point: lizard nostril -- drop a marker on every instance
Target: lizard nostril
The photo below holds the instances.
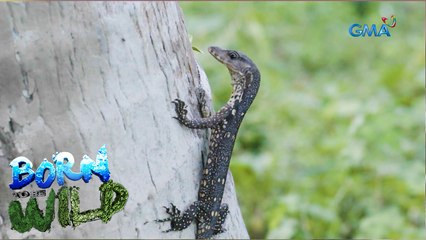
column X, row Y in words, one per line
column 213, row 49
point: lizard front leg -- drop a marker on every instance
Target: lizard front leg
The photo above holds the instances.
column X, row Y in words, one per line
column 209, row 122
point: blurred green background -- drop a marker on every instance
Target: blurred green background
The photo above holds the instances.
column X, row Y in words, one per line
column 333, row 146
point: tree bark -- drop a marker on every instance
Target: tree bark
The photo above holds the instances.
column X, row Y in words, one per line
column 75, row 76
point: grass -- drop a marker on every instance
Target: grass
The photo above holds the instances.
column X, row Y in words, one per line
column 333, row 146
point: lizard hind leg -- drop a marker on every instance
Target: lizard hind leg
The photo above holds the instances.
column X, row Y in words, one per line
column 179, row 222
column 223, row 212
column 206, row 231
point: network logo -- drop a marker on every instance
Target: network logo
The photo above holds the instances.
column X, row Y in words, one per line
column 358, row 30
column 392, row 18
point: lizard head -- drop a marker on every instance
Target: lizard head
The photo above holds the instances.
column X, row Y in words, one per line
column 236, row 62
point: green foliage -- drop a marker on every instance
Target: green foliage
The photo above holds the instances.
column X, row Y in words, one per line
column 333, row 146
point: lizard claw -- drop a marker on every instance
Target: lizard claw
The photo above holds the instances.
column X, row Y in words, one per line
column 173, row 211
column 180, row 109
column 163, row 220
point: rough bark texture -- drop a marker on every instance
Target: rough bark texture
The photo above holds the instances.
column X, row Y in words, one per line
column 75, row 76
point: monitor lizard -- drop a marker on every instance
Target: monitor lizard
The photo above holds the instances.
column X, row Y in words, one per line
column 208, row 210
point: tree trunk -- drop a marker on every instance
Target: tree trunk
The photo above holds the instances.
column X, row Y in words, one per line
column 75, row 76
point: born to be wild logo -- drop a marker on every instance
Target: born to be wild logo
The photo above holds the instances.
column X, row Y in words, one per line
column 69, row 213
column 358, row 30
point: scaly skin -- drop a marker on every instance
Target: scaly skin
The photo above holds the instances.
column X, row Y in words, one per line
column 208, row 210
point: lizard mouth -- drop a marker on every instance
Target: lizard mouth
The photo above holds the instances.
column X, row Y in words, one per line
column 222, row 56
column 216, row 52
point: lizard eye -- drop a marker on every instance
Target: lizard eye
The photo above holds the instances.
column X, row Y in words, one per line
column 233, row 55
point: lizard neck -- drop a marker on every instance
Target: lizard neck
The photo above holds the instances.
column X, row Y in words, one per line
column 250, row 87
column 237, row 94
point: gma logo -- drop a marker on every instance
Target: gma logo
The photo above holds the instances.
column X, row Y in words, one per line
column 356, row 30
